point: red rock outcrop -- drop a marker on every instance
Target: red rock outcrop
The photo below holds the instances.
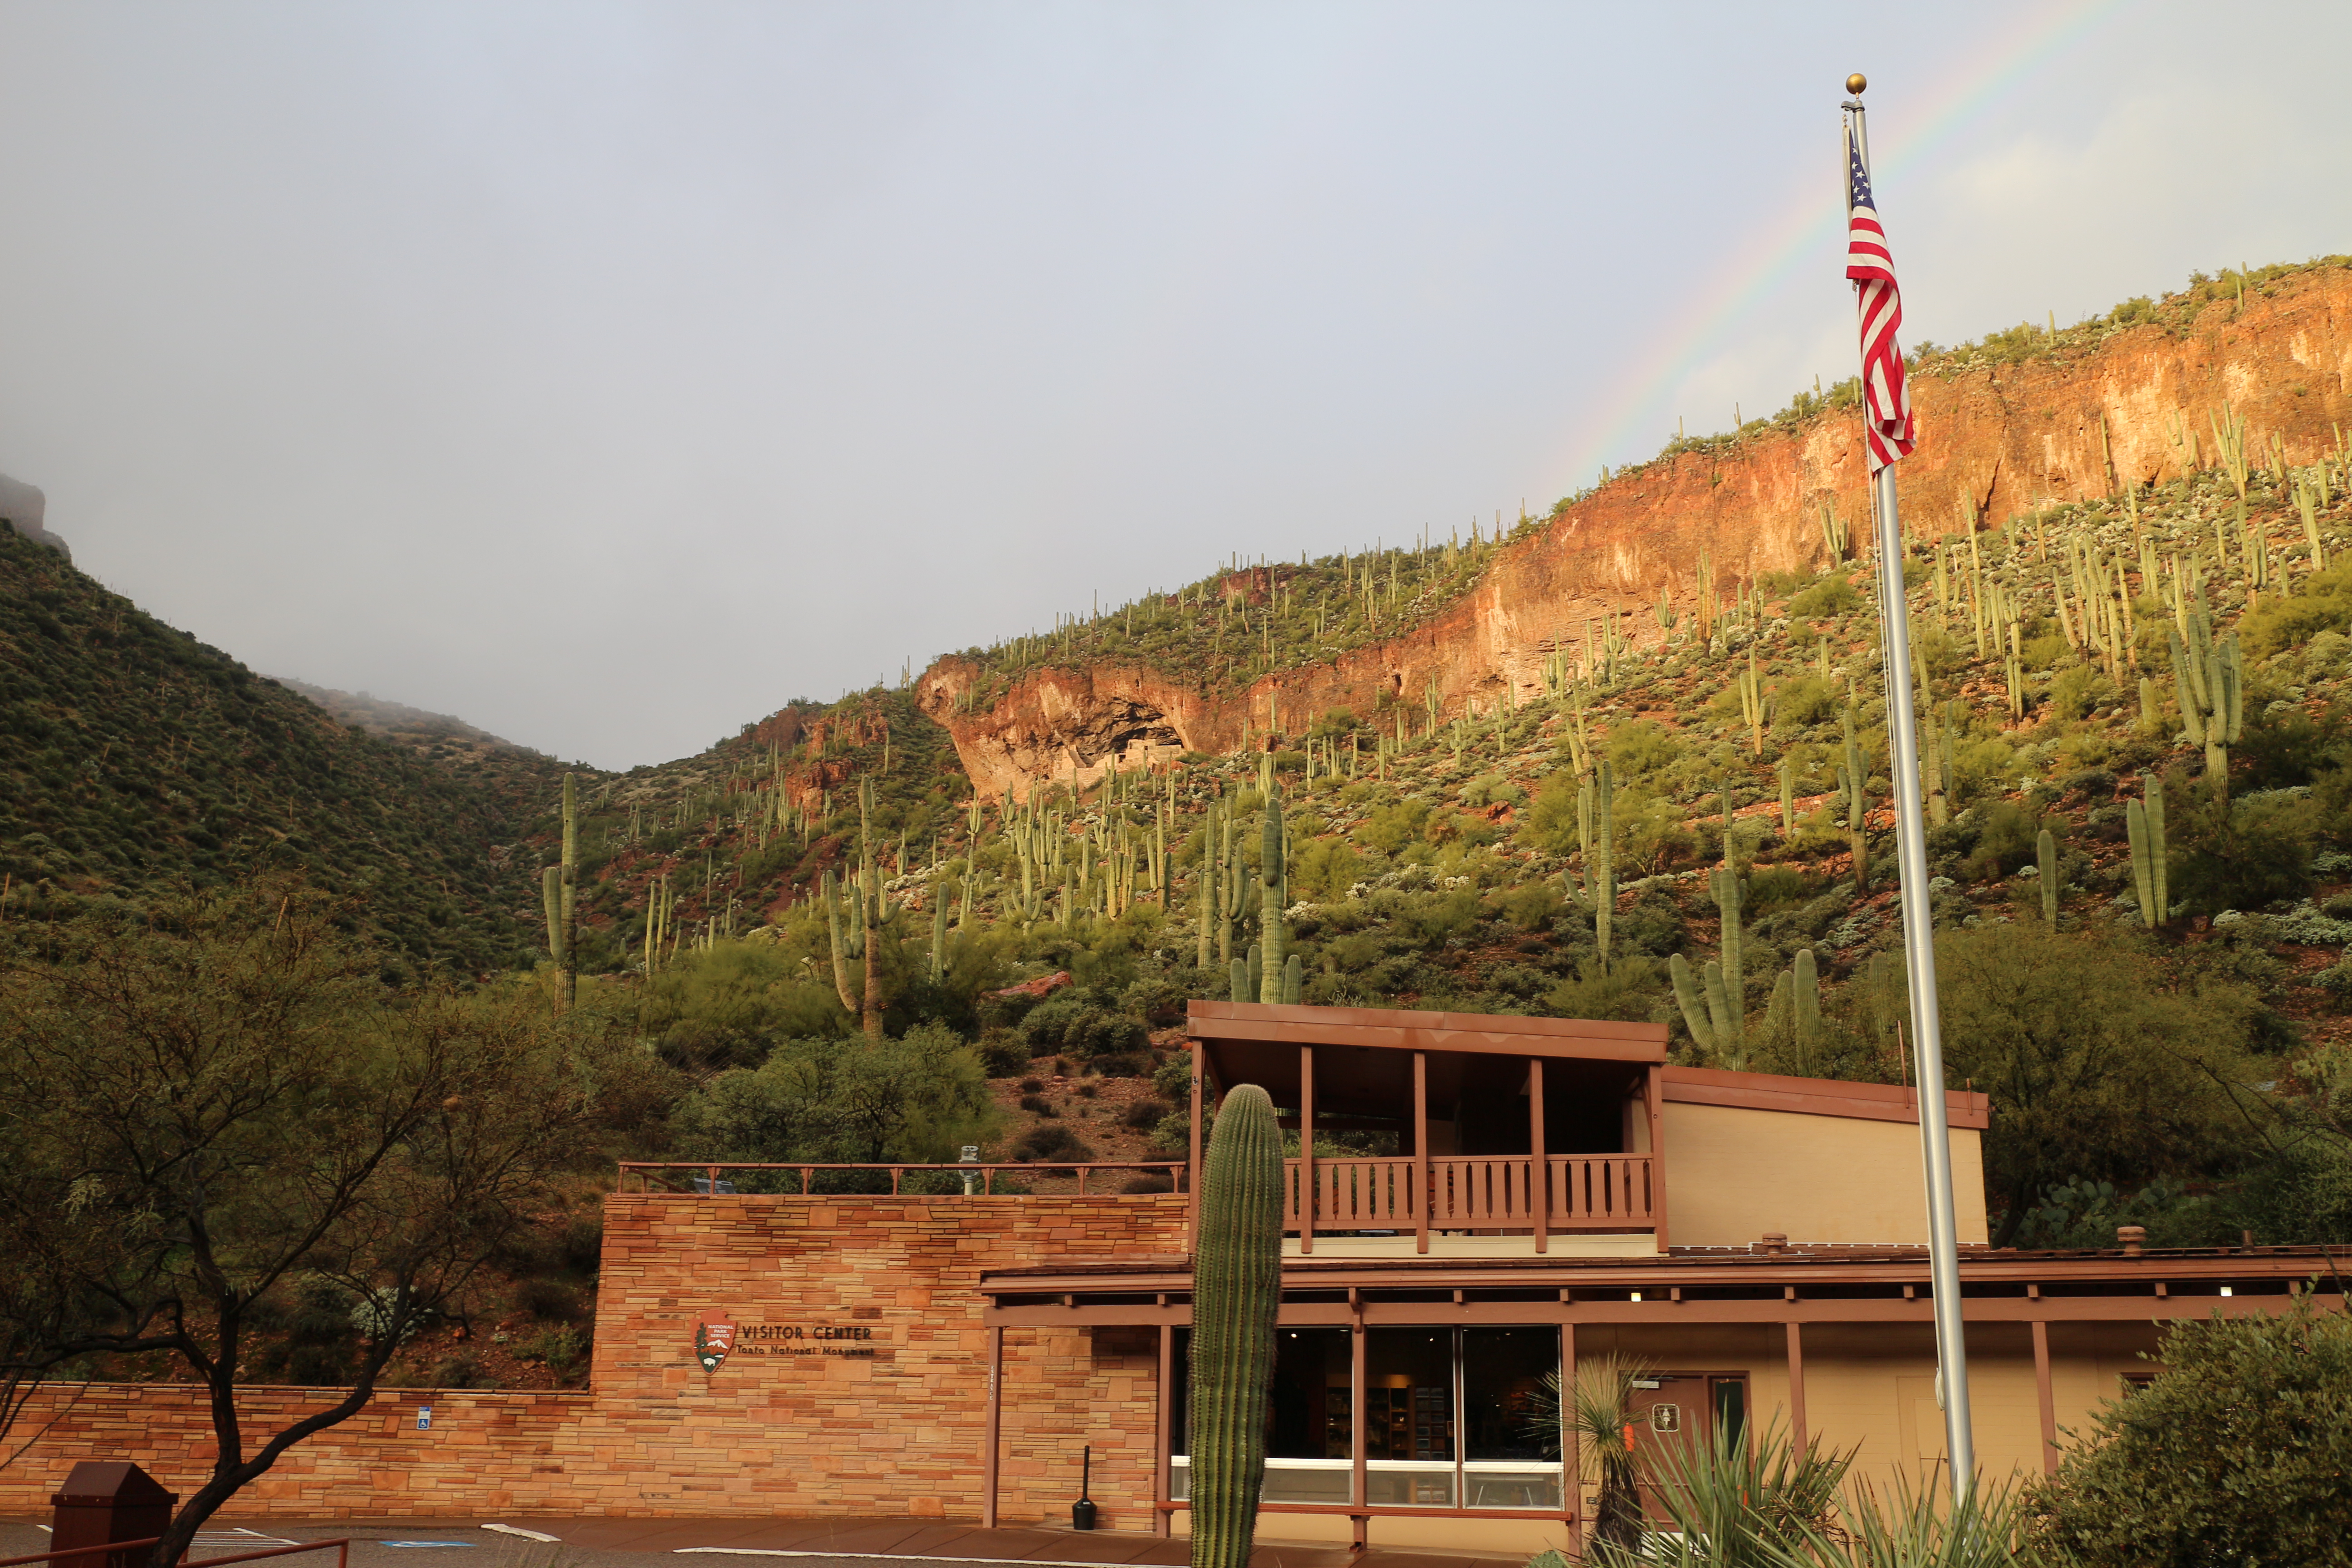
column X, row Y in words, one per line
column 1995, row 441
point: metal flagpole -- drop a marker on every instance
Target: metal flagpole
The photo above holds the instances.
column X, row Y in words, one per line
column 1919, row 948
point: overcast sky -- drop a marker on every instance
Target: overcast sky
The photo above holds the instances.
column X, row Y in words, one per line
column 610, row 374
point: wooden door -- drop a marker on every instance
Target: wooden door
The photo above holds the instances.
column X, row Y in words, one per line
column 1674, row 1411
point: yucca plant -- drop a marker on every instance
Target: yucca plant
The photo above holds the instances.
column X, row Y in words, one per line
column 1742, row 1502
column 1599, row 1409
column 1916, row 1526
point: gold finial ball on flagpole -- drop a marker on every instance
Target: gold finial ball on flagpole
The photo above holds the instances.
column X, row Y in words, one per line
column 1855, row 83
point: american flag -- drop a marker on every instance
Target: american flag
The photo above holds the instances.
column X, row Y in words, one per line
column 1885, row 399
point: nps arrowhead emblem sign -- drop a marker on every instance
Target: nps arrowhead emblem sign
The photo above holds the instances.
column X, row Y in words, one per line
column 713, row 1338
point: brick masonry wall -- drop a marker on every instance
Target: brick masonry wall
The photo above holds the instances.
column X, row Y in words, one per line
column 858, row 1383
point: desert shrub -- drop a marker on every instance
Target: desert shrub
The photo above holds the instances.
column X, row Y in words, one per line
column 2235, row 1453
column 460, row 1371
column 2100, row 1066
column 1173, row 1079
column 1550, row 822
column 1772, row 885
column 1431, row 919
column 1082, row 1022
column 2239, row 855
column 1116, row 1065
column 2322, row 602
column 1140, row 1185
column 1805, row 700
column 1651, row 832
column 1644, row 746
column 582, row 1244
column 1145, row 1114
column 2079, row 688
column 2006, row 836
column 1630, row 990
column 1038, row 1105
column 1052, row 1140
column 1533, row 905
column 550, row 1299
column 1157, row 1001
column 1491, row 789
column 916, row 1099
column 1389, row 829
column 1833, row 595
column 1322, row 869
column 1002, row 1052
column 2290, row 746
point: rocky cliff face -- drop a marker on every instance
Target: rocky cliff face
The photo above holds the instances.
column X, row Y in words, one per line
column 1995, row 439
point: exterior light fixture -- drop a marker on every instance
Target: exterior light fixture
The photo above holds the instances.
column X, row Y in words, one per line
column 1637, row 1295
column 2225, row 1289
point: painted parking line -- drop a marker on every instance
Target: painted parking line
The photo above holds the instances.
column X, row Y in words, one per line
column 901, row 1557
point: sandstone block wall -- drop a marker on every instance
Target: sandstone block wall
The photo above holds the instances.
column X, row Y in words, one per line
column 858, row 1383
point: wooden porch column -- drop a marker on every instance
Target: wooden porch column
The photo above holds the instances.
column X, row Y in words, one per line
column 1358, row 1492
column 1571, row 1478
column 995, row 1424
column 2042, row 1396
column 1653, row 1100
column 1421, row 1150
column 1539, row 1187
column 1797, row 1385
column 1307, row 1148
column 1160, row 1460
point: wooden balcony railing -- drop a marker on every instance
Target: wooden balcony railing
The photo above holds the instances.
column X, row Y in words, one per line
column 1584, row 1192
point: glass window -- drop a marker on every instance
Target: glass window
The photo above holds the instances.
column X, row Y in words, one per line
column 1731, row 1412
column 1453, row 1418
column 1409, row 1417
column 1308, row 1416
column 1510, row 1417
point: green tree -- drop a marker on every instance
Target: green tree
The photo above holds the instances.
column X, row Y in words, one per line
column 218, row 1107
column 915, row 1100
column 2098, row 1065
column 2237, row 1453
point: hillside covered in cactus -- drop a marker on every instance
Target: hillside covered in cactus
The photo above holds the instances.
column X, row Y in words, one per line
column 1671, row 804
column 1626, row 759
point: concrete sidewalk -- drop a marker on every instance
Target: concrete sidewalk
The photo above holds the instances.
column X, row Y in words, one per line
column 792, row 1543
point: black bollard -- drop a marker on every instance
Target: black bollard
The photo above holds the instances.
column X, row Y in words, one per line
column 1082, row 1513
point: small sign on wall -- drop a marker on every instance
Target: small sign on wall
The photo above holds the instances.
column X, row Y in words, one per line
column 713, row 1338
column 424, row 1418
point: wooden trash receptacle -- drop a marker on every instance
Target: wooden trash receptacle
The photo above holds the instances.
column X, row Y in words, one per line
column 106, row 1501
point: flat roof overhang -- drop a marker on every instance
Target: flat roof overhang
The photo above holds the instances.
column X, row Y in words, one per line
column 1821, row 1285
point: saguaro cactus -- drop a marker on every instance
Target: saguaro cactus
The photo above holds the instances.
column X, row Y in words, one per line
column 1808, row 1004
column 2209, row 677
column 1707, row 1010
column 559, row 889
column 2045, row 859
column 2143, row 820
column 1602, row 859
column 1856, row 782
column 1271, row 881
column 1730, row 900
column 1236, row 1290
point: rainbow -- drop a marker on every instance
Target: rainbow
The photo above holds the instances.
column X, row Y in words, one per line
column 1806, row 237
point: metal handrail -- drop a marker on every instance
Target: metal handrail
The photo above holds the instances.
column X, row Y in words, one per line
column 711, row 1170
column 343, row 1546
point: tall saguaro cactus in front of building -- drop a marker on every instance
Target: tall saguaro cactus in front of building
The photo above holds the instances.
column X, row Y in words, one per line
column 1236, row 1290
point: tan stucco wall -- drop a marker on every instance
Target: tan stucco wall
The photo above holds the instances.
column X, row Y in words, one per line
column 1871, row 1387
column 1735, row 1175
